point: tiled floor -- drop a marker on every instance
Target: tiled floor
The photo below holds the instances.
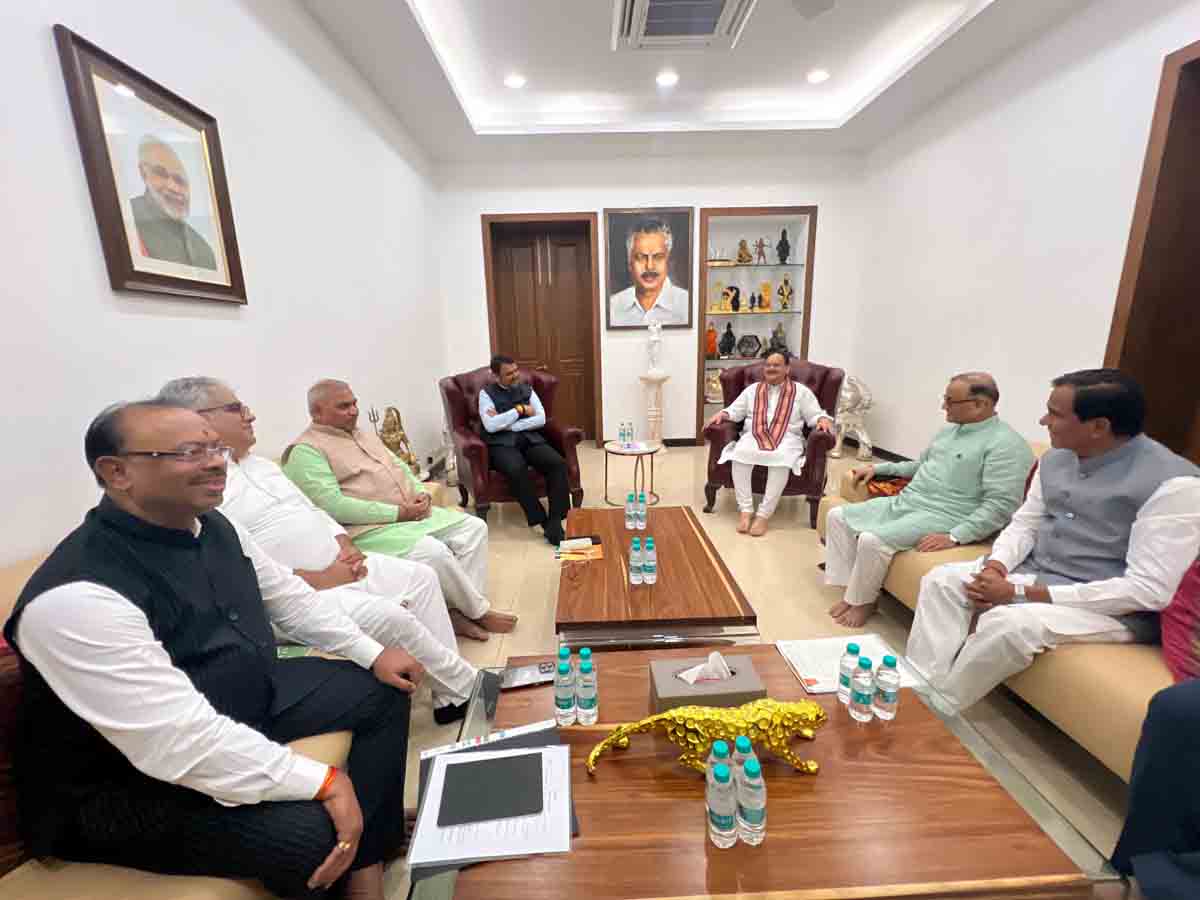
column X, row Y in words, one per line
column 779, row 576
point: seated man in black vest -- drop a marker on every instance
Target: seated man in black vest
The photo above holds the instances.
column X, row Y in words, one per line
column 512, row 418
column 155, row 709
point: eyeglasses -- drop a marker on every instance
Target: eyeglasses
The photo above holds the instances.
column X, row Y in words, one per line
column 189, row 453
column 236, row 407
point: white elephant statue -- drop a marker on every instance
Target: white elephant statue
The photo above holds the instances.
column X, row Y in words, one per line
column 853, row 403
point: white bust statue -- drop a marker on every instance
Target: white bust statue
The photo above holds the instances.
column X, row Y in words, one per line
column 654, row 338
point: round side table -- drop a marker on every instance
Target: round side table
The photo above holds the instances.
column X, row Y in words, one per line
column 639, row 454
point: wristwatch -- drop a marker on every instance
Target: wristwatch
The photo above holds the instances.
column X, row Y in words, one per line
column 1018, row 593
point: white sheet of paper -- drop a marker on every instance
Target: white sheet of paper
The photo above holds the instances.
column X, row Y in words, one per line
column 546, row 832
column 815, row 662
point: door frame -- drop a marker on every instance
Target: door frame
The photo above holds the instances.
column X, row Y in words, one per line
column 591, row 220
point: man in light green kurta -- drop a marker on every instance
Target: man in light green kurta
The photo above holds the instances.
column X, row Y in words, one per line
column 965, row 487
column 351, row 475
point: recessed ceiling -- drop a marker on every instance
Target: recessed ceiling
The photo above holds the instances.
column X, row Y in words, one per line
column 578, row 83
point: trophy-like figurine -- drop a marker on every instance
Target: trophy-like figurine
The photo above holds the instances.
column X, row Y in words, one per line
column 764, row 299
column 393, row 436
column 853, row 403
column 783, row 248
column 744, row 257
column 785, row 292
column 760, row 251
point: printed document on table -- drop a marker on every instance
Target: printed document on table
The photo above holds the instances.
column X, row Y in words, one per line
column 815, row 662
column 546, row 832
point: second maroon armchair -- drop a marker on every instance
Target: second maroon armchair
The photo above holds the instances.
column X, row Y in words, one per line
column 826, row 383
column 460, row 398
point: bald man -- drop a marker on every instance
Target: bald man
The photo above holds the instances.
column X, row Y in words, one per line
column 966, row 486
column 161, row 212
column 349, row 473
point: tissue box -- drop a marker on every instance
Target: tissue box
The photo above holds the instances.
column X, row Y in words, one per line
column 667, row 691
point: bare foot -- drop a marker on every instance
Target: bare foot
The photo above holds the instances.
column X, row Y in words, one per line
column 365, row 883
column 856, row 616
column 467, row 628
column 839, row 609
column 759, row 528
column 743, row 523
column 497, row 622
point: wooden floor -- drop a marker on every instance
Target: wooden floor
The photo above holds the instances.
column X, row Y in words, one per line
column 897, row 810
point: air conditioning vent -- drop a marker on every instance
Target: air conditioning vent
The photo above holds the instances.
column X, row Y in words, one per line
column 658, row 24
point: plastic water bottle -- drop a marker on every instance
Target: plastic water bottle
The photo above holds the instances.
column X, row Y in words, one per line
column 631, row 513
column 717, row 754
column 752, row 804
column 641, row 512
column 564, row 654
column 862, row 688
column 635, row 561
column 743, row 751
column 887, row 689
column 586, row 700
column 650, row 563
column 564, row 695
column 722, row 808
column 846, row 667
column 585, row 655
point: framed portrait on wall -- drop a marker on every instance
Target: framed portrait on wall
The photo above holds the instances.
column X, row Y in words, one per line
column 157, row 179
column 649, row 267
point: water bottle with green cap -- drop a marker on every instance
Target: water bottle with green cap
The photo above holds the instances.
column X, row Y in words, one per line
column 586, row 701
column 846, row 667
column 722, row 808
column 887, row 689
column 752, row 804
column 862, row 689
column 564, row 695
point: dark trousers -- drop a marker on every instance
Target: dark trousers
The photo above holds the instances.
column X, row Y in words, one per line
column 1160, row 842
column 514, row 463
column 178, row 831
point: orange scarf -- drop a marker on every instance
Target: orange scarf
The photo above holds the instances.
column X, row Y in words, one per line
column 770, row 436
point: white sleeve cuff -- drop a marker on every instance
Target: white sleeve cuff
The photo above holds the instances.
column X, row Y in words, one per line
column 365, row 651
column 302, row 782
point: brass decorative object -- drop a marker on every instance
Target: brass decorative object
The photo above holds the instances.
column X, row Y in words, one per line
column 772, row 724
column 393, row 436
column 744, row 257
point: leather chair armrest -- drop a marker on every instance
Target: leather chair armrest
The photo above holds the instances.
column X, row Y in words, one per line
column 721, row 434
column 849, row 491
column 565, row 441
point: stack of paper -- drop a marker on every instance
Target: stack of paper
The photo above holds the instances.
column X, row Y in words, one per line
column 815, row 662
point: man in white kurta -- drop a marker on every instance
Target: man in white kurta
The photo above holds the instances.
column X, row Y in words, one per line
column 397, row 602
column 778, row 410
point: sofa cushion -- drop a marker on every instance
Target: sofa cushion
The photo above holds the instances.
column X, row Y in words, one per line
column 908, row 568
column 52, row 879
column 1181, row 627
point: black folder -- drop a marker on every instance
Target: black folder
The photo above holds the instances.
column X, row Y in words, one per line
column 491, row 789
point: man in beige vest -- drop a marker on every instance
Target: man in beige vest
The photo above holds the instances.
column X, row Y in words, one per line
column 349, row 473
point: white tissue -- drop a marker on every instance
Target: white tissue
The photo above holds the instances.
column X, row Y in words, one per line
column 715, row 669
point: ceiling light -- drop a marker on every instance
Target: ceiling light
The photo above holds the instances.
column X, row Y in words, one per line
column 667, row 78
column 816, row 76
column 514, row 81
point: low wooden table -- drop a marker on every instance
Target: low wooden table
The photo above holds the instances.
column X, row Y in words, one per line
column 695, row 597
column 901, row 809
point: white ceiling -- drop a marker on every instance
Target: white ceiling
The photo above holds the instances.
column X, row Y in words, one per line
column 441, row 64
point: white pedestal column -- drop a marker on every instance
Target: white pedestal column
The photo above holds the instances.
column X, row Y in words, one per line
column 654, row 381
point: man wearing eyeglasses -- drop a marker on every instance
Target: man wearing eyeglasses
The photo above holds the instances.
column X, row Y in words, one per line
column 965, row 486
column 155, row 708
column 160, row 213
column 397, row 602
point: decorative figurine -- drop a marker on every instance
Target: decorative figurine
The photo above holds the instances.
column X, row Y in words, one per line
column 654, row 346
column 785, row 292
column 735, row 298
column 783, row 248
column 718, row 290
column 744, row 258
column 764, row 299
column 710, row 342
column 753, row 302
column 727, row 299
column 712, row 386
column 853, row 402
column 777, row 341
column 728, row 341
column 393, row 436
column 772, row 724
column 749, row 345
column 760, row 251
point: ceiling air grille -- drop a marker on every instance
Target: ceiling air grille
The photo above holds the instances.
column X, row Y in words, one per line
column 655, row 24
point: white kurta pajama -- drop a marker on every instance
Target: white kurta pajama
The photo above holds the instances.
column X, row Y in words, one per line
column 786, row 457
column 399, row 602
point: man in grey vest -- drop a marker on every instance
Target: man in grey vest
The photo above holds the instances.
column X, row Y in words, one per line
column 1110, row 525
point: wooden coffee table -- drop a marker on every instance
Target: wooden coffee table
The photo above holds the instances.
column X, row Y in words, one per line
column 903, row 809
column 695, row 598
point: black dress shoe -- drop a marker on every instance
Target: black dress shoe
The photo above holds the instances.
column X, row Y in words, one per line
column 455, row 712
column 554, row 533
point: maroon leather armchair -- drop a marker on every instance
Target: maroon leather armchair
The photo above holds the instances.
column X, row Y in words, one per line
column 460, row 398
column 826, row 383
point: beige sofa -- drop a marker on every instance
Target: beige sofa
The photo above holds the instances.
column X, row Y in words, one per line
column 1096, row 693
column 26, row 879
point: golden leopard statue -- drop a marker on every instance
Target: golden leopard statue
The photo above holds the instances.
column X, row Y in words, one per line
column 772, row 724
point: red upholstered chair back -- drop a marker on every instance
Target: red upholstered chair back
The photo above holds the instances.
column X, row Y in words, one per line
column 460, row 394
column 824, row 381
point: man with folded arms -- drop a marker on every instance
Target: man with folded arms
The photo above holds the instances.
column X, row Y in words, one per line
column 1111, row 523
column 349, row 473
column 398, row 603
column 155, row 709
column 965, row 487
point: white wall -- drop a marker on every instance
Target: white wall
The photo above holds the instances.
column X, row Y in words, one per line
column 468, row 191
column 998, row 220
column 330, row 201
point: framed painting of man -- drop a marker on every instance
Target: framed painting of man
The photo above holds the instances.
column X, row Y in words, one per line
column 649, row 267
column 157, row 179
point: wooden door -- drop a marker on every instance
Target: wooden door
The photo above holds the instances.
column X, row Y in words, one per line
column 542, row 284
column 1156, row 323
